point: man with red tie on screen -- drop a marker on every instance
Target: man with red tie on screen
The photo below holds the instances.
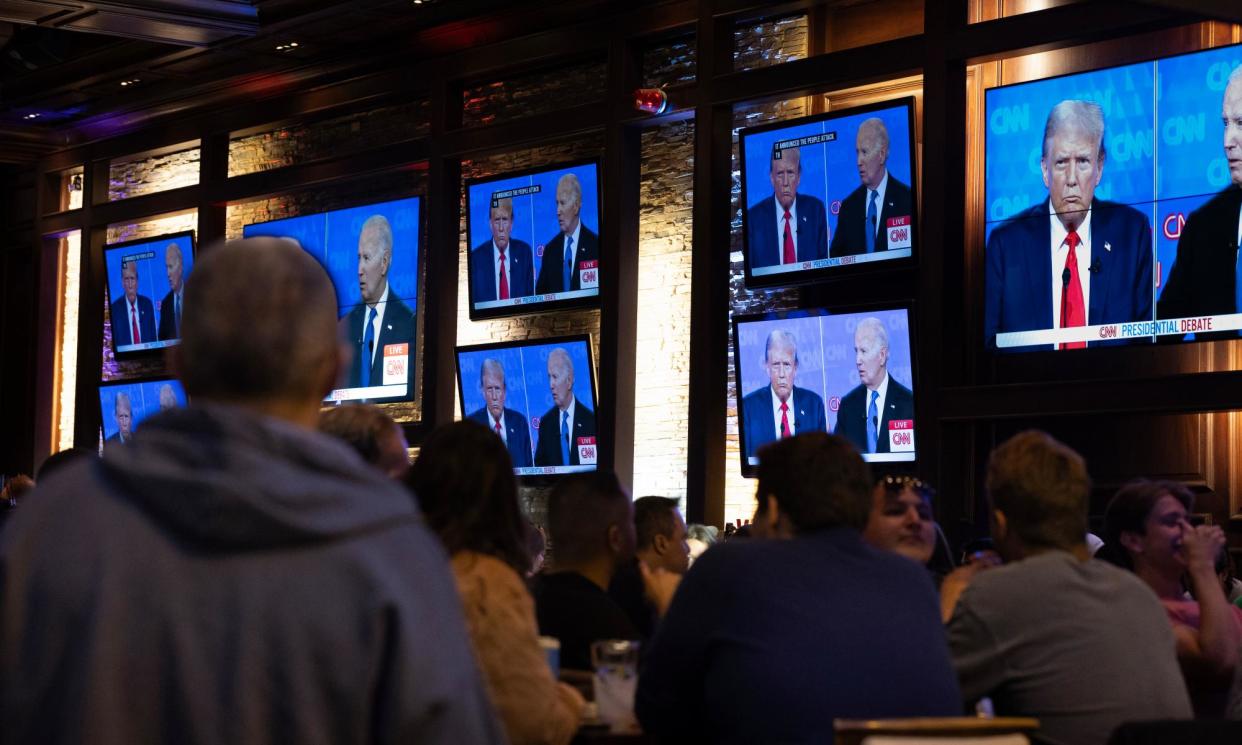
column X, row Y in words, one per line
column 561, row 270
column 1070, row 260
column 508, row 424
column 780, row 409
column 501, row 268
column 133, row 316
column 787, row 227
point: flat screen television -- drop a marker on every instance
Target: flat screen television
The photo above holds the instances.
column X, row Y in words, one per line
column 372, row 254
column 534, row 239
column 539, row 396
column 847, row 182
column 145, row 281
column 1123, row 236
column 849, row 372
column 124, row 405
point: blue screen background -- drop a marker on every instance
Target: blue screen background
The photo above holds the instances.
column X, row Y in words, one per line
column 144, row 399
column 152, row 272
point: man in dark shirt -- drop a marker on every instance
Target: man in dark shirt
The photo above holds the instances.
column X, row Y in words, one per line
column 771, row 639
column 591, row 528
column 661, row 534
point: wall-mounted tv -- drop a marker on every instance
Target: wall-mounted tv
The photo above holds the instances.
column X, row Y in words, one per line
column 372, row 254
column 827, row 192
column 146, row 278
column 534, row 239
column 849, row 372
column 539, row 397
column 1113, row 201
column 124, row 405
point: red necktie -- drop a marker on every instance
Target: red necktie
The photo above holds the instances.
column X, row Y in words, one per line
column 504, row 292
column 1073, row 310
column 784, row 420
column 497, row 428
column 133, row 316
column 789, row 246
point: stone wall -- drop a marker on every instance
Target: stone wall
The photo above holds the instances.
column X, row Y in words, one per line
column 540, row 93
column 770, row 41
column 670, row 63
column 132, row 178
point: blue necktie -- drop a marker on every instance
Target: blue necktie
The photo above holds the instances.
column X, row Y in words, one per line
column 177, row 328
column 872, row 421
column 569, row 263
column 871, row 222
column 1237, row 285
column 368, row 341
column 564, row 438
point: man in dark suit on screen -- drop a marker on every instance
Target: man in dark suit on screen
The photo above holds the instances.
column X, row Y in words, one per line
column 1205, row 277
column 508, row 424
column 787, row 227
column 561, row 270
column 862, row 222
column 878, row 399
column 501, row 268
column 123, row 412
column 381, row 319
column 562, row 427
column 1070, row 260
column 170, row 306
column 780, row 409
column 133, row 315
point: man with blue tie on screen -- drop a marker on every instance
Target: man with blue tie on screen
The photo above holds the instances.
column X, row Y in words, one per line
column 1206, row 278
column 787, row 227
column 863, row 218
column 170, row 306
column 381, row 319
column 508, row 424
column 780, row 409
column 567, row 420
column 878, row 399
column 133, row 315
column 1070, row 260
column 564, row 254
column 501, row 268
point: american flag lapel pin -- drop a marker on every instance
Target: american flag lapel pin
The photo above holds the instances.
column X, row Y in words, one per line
column 1108, row 246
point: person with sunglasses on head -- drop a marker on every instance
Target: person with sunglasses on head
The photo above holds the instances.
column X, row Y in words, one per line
column 901, row 521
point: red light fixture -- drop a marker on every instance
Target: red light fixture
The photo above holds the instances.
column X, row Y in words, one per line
column 654, row 101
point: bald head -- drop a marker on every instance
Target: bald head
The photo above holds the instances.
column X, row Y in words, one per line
column 271, row 333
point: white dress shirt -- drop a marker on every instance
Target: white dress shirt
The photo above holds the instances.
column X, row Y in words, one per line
column 378, row 323
column 1240, row 226
column 508, row 266
column 776, row 411
column 1060, row 250
column 135, row 322
column 879, row 203
column 573, row 267
column 780, row 228
column 492, row 422
column 879, row 406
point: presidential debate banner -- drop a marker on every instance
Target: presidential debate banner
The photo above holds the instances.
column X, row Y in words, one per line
column 1113, row 201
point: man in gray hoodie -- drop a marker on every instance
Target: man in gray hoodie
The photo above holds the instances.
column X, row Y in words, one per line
column 234, row 576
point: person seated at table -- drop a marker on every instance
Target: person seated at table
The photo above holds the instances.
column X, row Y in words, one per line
column 901, row 522
column 1147, row 530
column 463, row 479
column 661, row 545
column 771, row 639
column 591, row 529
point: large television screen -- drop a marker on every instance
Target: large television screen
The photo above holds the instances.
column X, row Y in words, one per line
column 539, row 397
column 124, row 405
column 829, row 191
column 848, row 373
column 1112, row 202
column 534, row 239
column 371, row 252
column 145, row 282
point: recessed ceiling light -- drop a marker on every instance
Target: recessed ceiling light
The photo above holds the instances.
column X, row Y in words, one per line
column 31, row 116
column 131, row 81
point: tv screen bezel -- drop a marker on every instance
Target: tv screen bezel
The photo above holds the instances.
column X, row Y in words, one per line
column 906, row 304
column 851, row 269
column 542, row 342
column 533, row 307
column 145, row 352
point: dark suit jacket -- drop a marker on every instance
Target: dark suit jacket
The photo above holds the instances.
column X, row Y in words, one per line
column 554, row 257
column 811, row 231
column 1018, row 288
column 1202, row 279
column 548, row 451
column 760, row 426
column 168, row 316
column 397, row 326
column 483, row 272
column 121, row 334
column 852, row 415
column 851, row 235
column 517, row 434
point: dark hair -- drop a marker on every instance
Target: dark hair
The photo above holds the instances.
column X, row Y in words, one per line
column 1128, row 510
column 653, row 516
column 359, row 425
column 1042, row 486
column 57, row 461
column 581, row 509
column 463, row 479
column 819, row 481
